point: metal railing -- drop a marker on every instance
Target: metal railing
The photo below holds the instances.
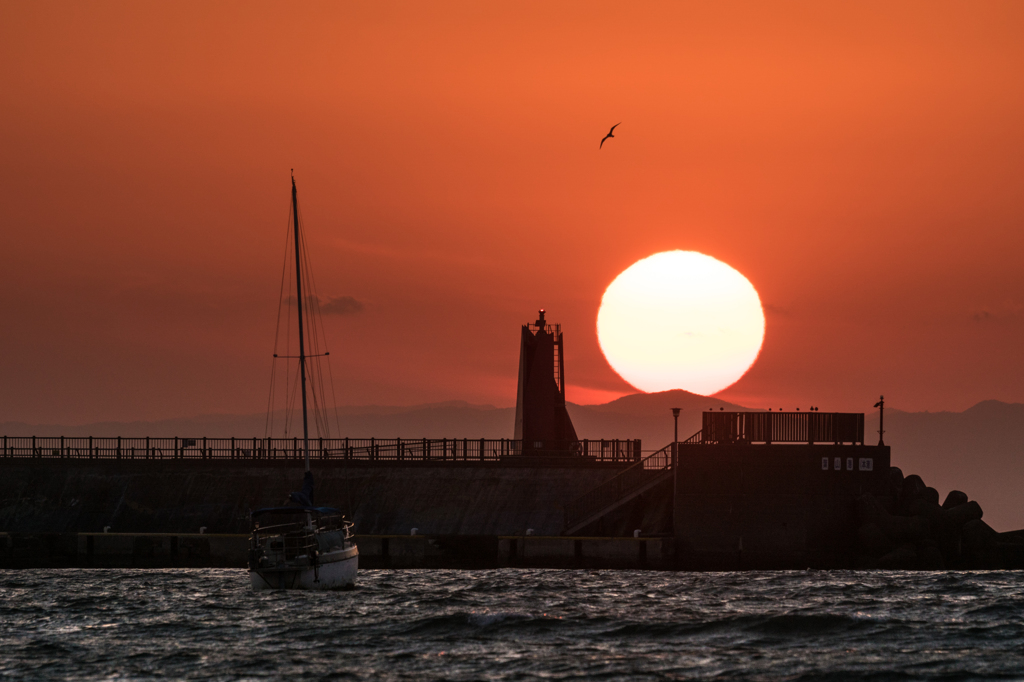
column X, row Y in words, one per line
column 284, row 449
column 610, row 450
column 623, row 485
column 293, row 539
column 783, row 427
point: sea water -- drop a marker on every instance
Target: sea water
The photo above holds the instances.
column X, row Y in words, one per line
column 513, row 624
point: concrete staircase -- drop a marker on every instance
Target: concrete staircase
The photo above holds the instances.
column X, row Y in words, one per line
column 620, row 489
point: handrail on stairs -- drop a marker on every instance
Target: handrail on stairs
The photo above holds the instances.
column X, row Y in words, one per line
column 624, row 484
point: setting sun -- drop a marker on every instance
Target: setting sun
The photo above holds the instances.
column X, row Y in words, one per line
column 680, row 319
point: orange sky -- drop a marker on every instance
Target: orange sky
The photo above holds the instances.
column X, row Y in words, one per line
column 862, row 165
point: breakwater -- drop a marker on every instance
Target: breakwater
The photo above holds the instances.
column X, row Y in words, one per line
column 722, row 506
column 224, row 550
column 383, row 498
column 903, row 526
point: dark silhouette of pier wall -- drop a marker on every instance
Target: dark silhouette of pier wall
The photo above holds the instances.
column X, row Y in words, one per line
column 64, row 496
column 773, row 506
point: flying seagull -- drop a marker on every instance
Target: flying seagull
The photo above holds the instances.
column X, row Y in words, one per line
column 609, row 134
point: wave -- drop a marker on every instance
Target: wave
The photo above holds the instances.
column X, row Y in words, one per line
column 467, row 622
column 509, row 624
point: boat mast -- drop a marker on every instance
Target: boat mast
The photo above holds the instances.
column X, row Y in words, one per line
column 302, row 345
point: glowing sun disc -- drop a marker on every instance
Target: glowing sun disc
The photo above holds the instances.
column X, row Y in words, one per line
column 680, row 319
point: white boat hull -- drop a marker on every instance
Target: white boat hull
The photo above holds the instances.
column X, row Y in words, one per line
column 336, row 571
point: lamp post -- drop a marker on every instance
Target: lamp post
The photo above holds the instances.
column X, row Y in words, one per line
column 881, row 419
column 675, row 464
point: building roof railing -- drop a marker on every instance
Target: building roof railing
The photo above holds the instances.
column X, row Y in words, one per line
column 783, row 427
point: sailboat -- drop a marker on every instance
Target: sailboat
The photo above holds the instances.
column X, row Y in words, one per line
column 301, row 546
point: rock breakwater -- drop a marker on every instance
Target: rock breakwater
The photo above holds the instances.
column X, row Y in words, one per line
column 906, row 528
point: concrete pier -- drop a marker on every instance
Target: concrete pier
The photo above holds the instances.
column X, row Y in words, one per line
column 773, row 506
column 736, row 506
column 180, row 497
column 223, row 550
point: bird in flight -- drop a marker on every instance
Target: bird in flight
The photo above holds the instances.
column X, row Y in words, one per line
column 609, row 134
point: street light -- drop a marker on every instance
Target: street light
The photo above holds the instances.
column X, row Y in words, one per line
column 675, row 440
column 881, row 419
column 675, row 463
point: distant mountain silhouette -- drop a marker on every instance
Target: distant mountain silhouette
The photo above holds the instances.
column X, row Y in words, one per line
column 979, row 451
column 647, row 416
column 437, row 420
column 647, row 403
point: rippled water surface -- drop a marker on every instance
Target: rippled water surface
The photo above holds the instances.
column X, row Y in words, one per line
column 513, row 625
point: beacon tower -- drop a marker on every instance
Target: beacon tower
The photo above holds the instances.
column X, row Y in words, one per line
column 542, row 422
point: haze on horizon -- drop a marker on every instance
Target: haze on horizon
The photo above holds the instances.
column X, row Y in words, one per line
column 861, row 165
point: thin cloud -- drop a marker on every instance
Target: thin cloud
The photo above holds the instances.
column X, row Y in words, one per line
column 341, row 305
column 333, row 305
column 1002, row 312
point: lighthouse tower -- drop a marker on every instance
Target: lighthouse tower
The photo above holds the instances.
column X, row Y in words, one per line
column 542, row 422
